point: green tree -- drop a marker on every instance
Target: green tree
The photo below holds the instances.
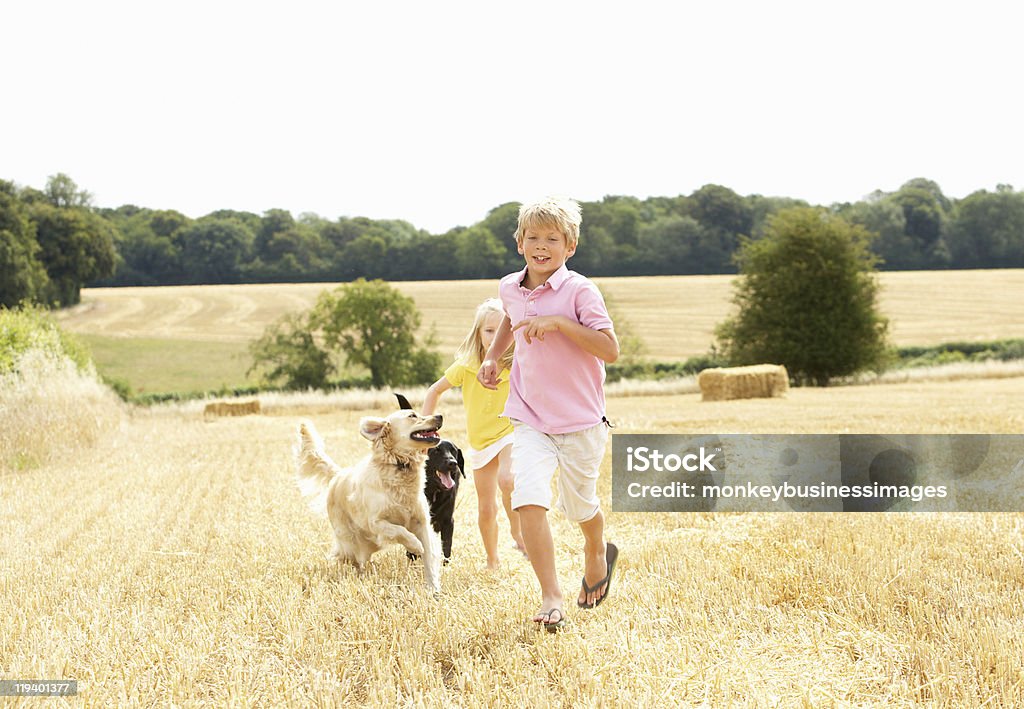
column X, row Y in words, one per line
column 374, row 325
column 884, row 217
column 988, row 230
column 807, row 299
column 61, row 191
column 213, row 250
column 291, row 254
column 147, row 245
column 76, row 247
column 366, row 255
column 287, row 355
column 719, row 207
column 666, row 245
column 478, row 253
column 22, row 275
column 925, row 210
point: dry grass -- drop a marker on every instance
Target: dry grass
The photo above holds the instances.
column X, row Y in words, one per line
column 188, row 571
column 48, row 408
column 675, row 316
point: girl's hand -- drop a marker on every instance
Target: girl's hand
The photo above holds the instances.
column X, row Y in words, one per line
column 487, row 375
column 536, row 327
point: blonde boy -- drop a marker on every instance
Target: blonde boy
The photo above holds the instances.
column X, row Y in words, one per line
column 563, row 337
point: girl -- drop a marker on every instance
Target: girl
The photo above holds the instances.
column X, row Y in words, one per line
column 490, row 434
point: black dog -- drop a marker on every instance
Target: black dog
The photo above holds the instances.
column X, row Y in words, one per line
column 445, row 465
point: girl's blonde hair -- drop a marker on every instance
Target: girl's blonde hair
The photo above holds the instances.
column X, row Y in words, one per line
column 471, row 352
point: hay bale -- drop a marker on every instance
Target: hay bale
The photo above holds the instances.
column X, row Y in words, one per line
column 755, row 381
column 228, row 408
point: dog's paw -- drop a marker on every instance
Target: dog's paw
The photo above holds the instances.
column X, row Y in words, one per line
column 413, row 546
column 446, row 560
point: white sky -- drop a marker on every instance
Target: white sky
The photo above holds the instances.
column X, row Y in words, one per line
column 436, row 112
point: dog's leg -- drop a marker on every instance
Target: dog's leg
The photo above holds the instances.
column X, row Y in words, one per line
column 447, row 531
column 431, row 550
column 388, row 532
column 343, row 550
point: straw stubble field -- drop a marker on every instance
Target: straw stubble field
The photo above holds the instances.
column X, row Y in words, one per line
column 174, row 563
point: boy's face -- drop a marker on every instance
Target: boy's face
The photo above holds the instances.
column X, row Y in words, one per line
column 545, row 249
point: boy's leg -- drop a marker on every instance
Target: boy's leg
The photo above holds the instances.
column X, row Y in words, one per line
column 540, row 547
column 595, row 562
column 485, row 481
column 534, row 459
column 506, row 483
column 579, row 460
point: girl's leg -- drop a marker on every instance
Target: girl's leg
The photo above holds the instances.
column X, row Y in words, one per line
column 485, row 480
column 506, row 482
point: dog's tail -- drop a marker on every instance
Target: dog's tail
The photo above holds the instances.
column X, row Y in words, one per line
column 315, row 469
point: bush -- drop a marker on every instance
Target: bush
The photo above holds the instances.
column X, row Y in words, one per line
column 51, row 402
column 30, row 328
column 373, row 325
column 807, row 299
column 922, row 356
column 287, row 355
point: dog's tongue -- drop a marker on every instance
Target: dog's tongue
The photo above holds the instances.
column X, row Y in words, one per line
column 445, row 479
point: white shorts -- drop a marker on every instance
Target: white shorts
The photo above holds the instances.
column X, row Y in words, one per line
column 480, row 458
column 577, row 456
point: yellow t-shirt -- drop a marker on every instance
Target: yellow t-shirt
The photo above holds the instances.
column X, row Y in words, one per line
column 484, row 422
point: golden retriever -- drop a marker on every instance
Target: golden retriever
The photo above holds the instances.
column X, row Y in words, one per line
column 380, row 499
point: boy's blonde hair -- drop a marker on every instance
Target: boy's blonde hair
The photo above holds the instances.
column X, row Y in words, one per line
column 560, row 213
column 471, row 352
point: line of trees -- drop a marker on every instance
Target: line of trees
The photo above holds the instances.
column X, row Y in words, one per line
column 51, row 243
column 54, row 241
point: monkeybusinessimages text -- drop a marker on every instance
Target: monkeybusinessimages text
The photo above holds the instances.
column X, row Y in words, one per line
column 643, row 459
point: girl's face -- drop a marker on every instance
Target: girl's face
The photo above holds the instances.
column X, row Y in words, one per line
column 489, row 329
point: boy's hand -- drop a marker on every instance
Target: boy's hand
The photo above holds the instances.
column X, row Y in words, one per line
column 536, row 327
column 487, row 375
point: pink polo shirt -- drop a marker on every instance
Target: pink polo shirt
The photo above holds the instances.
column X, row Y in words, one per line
column 555, row 386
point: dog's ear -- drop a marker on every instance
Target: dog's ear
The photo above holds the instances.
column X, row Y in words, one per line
column 372, row 428
column 403, row 403
column 462, row 461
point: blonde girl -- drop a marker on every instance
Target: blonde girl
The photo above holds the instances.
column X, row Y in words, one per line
column 490, row 434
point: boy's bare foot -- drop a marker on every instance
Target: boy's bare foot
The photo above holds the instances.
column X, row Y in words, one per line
column 520, row 547
column 546, row 606
column 493, row 564
column 596, row 570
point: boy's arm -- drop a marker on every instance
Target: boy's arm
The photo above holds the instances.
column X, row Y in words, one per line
column 601, row 343
column 433, row 394
column 488, row 373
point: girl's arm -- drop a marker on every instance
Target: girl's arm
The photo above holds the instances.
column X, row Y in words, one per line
column 433, row 394
column 488, row 372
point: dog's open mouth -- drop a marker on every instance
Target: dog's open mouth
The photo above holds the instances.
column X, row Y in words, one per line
column 445, row 479
column 430, row 435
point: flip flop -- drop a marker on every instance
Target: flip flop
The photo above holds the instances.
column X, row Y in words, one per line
column 554, row 627
column 611, row 556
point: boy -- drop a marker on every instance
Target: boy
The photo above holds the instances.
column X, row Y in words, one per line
column 563, row 336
